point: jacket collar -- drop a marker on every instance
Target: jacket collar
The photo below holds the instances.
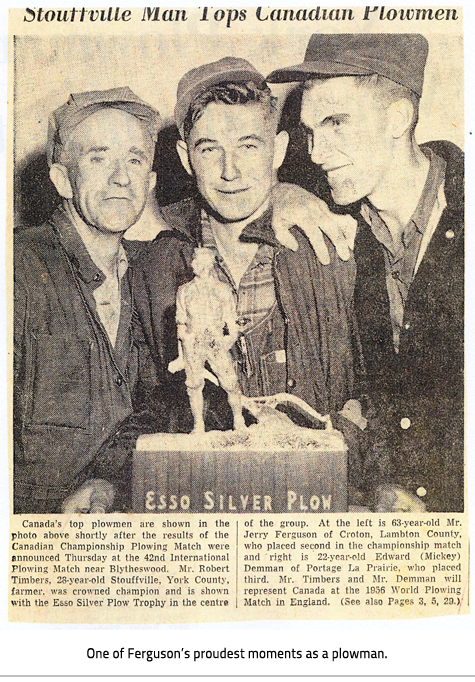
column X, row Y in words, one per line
column 74, row 247
column 86, row 268
column 260, row 230
column 453, row 184
column 184, row 218
column 454, row 175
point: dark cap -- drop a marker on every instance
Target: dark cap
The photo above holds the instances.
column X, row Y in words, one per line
column 196, row 81
column 83, row 104
column 401, row 57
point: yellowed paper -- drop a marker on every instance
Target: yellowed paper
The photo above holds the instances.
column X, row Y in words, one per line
column 228, row 534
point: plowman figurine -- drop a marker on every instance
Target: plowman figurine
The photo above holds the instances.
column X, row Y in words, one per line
column 207, row 330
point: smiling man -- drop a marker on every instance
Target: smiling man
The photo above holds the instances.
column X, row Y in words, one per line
column 360, row 108
column 294, row 315
column 75, row 364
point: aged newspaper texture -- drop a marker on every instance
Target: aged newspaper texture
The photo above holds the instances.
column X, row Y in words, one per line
column 343, row 496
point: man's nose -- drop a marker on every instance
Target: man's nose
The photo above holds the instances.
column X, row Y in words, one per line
column 319, row 148
column 120, row 174
column 229, row 168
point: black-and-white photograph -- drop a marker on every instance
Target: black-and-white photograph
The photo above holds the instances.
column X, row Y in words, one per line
column 238, row 273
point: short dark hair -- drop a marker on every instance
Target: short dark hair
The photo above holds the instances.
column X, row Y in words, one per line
column 385, row 90
column 229, row 93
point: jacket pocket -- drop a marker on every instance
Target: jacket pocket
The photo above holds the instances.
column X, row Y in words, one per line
column 273, row 372
column 58, row 382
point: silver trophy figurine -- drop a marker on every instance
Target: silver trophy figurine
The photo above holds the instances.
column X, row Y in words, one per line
column 207, row 329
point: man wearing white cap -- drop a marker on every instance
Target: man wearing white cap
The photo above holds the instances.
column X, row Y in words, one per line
column 75, row 364
column 360, row 108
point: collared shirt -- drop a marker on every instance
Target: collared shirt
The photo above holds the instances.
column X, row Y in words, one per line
column 260, row 349
column 108, row 295
column 402, row 260
column 255, row 295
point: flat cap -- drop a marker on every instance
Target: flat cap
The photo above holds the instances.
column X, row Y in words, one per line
column 83, row 104
column 197, row 81
column 401, row 57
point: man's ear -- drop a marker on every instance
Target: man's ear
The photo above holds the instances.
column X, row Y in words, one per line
column 60, row 178
column 401, row 113
column 152, row 181
column 182, row 149
column 280, row 149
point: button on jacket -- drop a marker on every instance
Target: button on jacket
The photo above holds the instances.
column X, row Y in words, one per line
column 72, row 389
column 418, row 392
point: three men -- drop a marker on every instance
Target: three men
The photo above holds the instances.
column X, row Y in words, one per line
column 75, row 361
column 76, row 351
column 294, row 314
column 360, row 106
column 360, row 109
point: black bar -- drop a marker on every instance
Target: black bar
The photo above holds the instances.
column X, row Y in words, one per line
column 154, row 654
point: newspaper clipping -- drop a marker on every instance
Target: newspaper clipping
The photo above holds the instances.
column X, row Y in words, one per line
column 236, row 274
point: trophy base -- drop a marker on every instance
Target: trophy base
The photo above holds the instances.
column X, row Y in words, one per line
column 241, row 472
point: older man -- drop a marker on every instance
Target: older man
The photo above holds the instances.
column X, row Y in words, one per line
column 360, row 108
column 75, row 363
column 294, row 314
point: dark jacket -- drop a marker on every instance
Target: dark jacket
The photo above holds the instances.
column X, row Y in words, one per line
column 72, row 390
column 418, row 393
column 316, row 303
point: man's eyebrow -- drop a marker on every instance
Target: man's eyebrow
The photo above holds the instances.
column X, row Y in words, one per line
column 204, row 140
column 207, row 140
column 133, row 150
column 342, row 116
column 95, row 150
column 251, row 137
column 138, row 152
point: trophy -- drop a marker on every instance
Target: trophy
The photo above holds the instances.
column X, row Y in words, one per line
column 273, row 465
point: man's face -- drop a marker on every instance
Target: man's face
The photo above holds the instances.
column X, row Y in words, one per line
column 109, row 158
column 233, row 152
column 349, row 137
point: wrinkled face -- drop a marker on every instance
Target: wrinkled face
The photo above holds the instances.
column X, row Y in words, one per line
column 349, row 137
column 109, row 159
column 232, row 153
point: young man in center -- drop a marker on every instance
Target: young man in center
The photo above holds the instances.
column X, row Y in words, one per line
column 294, row 314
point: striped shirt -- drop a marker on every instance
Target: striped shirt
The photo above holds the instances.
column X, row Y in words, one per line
column 255, row 296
